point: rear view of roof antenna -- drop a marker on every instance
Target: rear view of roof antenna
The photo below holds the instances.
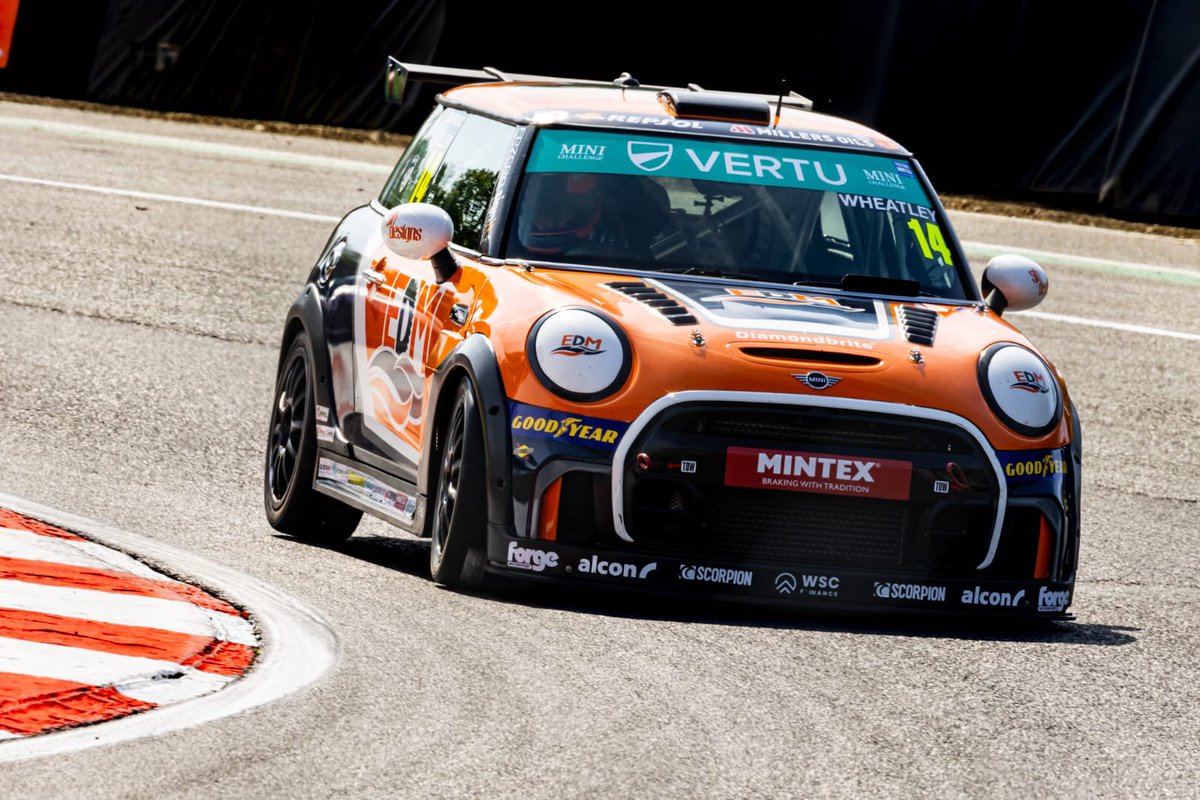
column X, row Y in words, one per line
column 779, row 103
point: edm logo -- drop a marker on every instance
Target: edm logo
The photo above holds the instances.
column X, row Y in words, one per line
column 650, row 156
column 574, row 344
column 1029, row 381
column 404, row 233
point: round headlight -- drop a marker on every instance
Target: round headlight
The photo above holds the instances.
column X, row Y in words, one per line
column 1020, row 389
column 579, row 354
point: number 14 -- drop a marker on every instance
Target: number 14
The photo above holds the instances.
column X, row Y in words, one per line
column 933, row 242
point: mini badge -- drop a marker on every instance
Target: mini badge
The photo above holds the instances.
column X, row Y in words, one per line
column 816, row 380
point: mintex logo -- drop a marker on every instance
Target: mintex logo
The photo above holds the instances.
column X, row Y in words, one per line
column 822, row 473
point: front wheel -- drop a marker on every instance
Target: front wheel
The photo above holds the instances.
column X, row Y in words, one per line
column 457, row 550
column 293, row 506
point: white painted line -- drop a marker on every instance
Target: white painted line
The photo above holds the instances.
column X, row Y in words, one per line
column 35, row 547
column 299, row 646
column 171, row 198
column 162, row 690
column 97, row 668
column 989, row 248
column 179, row 616
column 1075, row 227
column 1116, row 326
column 191, row 145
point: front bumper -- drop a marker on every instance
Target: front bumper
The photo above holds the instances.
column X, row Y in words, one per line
column 797, row 586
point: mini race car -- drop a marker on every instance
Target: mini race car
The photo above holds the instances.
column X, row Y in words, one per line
column 675, row 340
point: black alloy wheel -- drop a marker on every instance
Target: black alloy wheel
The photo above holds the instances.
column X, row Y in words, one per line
column 459, row 512
column 292, row 505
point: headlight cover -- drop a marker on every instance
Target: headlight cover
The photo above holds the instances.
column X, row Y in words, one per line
column 579, row 354
column 1020, row 388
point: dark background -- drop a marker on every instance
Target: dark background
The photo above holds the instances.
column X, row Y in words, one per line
column 1092, row 105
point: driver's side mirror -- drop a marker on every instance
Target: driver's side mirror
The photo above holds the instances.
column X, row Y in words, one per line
column 1014, row 283
column 423, row 232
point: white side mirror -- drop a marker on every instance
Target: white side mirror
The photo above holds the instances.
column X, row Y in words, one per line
column 421, row 231
column 1014, row 283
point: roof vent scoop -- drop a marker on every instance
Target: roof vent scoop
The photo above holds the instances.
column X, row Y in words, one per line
column 717, row 105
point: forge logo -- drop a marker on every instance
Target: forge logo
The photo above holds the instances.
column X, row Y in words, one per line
column 404, row 233
column 574, row 344
column 820, row 473
column 1033, row 382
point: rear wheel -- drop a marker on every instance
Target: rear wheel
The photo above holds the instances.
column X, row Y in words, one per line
column 457, row 550
column 293, row 506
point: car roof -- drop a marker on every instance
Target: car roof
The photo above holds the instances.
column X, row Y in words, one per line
column 640, row 109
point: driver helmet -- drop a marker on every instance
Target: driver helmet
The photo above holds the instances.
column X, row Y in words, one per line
column 561, row 211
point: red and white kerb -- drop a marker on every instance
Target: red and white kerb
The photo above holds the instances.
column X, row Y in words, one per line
column 89, row 634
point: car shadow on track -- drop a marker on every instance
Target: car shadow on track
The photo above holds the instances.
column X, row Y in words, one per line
column 411, row 556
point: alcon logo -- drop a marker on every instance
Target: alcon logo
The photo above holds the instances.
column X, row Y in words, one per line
column 981, row 597
column 575, row 345
column 531, row 558
column 842, row 469
column 615, row 569
column 404, row 233
column 1029, row 381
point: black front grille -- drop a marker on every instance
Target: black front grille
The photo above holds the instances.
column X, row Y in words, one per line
column 822, row 426
column 698, row 511
column 786, row 528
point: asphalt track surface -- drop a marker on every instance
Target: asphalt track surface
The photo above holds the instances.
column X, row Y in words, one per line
column 138, row 341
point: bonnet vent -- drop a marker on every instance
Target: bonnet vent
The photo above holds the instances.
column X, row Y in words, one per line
column 677, row 314
column 920, row 324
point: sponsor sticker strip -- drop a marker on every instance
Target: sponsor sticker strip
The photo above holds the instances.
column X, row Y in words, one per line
column 366, row 487
column 89, row 634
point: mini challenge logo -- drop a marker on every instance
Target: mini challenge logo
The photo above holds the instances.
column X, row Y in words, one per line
column 574, row 344
column 650, row 156
column 581, row 152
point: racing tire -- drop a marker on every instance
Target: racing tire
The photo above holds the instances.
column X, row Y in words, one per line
column 457, row 548
column 293, row 506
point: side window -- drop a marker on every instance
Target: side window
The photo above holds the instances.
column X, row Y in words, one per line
column 464, row 182
column 410, row 179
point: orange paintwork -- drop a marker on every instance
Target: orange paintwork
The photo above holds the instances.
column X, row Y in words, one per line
column 529, row 99
column 1041, row 569
column 505, row 302
column 8, row 20
column 548, row 516
column 665, row 361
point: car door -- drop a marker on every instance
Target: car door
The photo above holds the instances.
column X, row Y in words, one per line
column 402, row 312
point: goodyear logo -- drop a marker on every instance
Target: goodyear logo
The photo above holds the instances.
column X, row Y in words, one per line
column 1035, row 470
column 545, row 423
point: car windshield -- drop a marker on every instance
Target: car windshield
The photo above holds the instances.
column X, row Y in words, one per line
column 721, row 208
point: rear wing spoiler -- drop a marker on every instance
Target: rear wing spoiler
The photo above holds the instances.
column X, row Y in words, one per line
column 400, row 74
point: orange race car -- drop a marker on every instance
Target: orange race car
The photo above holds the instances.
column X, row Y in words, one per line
column 675, row 340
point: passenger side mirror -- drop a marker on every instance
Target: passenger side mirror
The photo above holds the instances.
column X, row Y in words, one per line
column 423, row 232
column 1014, row 283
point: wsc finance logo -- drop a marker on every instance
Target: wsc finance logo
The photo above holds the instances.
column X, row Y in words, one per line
column 650, row 156
column 785, row 583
